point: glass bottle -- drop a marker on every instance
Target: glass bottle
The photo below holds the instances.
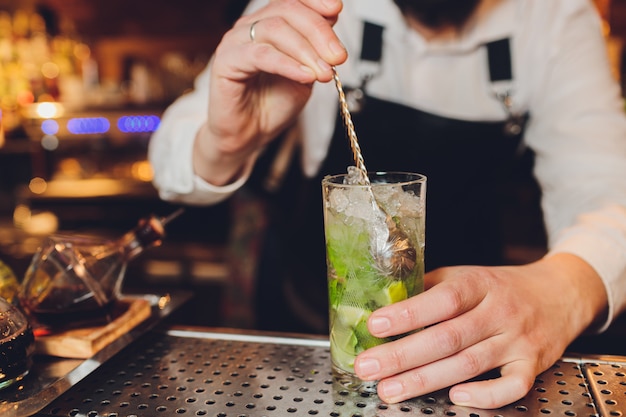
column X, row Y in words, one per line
column 76, row 279
column 17, row 344
column 9, row 286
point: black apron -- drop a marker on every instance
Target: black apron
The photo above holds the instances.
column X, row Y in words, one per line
column 466, row 164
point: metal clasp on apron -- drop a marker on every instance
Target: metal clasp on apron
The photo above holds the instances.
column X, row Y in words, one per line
column 515, row 122
column 356, row 97
column 368, row 65
column 501, row 76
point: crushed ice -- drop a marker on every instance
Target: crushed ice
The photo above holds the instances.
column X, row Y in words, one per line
column 355, row 176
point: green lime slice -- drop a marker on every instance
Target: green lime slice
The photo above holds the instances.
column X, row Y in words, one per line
column 365, row 338
column 351, row 316
column 343, row 347
column 392, row 293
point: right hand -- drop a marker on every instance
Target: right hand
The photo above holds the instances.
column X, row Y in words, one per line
column 257, row 88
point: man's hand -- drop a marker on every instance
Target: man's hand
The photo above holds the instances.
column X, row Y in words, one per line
column 262, row 75
column 519, row 319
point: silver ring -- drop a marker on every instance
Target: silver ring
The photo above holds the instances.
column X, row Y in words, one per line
column 252, row 33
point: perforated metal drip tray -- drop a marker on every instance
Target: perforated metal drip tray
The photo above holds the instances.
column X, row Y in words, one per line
column 188, row 373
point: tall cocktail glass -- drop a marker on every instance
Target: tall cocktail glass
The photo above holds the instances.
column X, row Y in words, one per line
column 358, row 281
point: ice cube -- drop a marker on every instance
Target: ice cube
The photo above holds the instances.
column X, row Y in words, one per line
column 360, row 205
column 410, row 203
column 338, row 200
column 355, row 176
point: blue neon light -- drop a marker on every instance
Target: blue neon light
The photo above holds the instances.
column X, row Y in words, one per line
column 138, row 124
column 88, row 125
column 50, row 127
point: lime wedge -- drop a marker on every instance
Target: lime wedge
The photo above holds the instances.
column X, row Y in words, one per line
column 365, row 338
column 343, row 346
column 394, row 292
column 351, row 316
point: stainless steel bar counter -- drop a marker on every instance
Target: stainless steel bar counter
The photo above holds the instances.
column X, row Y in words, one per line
column 50, row 376
column 227, row 373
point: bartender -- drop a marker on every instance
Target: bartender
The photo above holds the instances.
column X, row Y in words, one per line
column 456, row 90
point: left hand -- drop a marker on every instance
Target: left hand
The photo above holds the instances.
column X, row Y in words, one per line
column 519, row 319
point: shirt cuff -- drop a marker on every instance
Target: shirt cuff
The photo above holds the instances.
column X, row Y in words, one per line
column 605, row 251
column 207, row 193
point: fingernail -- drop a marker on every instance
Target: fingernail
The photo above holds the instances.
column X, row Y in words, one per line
column 460, row 397
column 368, row 367
column 337, row 48
column 379, row 324
column 390, row 389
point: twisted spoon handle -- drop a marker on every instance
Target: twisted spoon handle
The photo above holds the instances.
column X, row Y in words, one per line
column 347, row 120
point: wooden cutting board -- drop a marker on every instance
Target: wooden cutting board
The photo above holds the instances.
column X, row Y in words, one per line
column 84, row 342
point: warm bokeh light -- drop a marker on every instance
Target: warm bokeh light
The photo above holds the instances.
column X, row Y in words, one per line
column 82, row 51
column 142, row 171
column 21, row 214
column 48, row 110
column 50, row 70
column 37, row 185
column 42, row 223
column 45, row 97
column 25, row 98
column 70, row 168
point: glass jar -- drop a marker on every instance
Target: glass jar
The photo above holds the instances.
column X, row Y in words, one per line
column 17, row 344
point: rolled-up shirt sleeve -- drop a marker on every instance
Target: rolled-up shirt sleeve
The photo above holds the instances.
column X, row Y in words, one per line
column 579, row 138
column 172, row 145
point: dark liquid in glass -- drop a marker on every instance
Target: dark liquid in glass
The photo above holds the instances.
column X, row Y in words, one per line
column 16, row 357
column 86, row 312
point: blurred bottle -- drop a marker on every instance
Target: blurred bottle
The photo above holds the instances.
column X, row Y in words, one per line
column 73, row 280
column 9, row 285
column 40, row 60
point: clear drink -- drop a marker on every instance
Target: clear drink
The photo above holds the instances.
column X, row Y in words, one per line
column 357, row 283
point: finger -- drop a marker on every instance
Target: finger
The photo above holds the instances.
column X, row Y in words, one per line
column 328, row 8
column 426, row 346
column 288, row 40
column 241, row 62
column 437, row 276
column 460, row 367
column 516, row 380
column 441, row 302
column 308, row 25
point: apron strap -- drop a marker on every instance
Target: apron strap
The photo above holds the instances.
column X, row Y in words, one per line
column 372, row 44
column 501, row 76
column 499, row 58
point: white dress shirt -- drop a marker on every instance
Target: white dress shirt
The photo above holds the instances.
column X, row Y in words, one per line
column 561, row 77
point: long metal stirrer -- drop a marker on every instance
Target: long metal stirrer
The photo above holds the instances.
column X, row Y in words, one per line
column 396, row 254
column 347, row 119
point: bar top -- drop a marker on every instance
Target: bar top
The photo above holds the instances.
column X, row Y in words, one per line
column 49, row 377
column 222, row 372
